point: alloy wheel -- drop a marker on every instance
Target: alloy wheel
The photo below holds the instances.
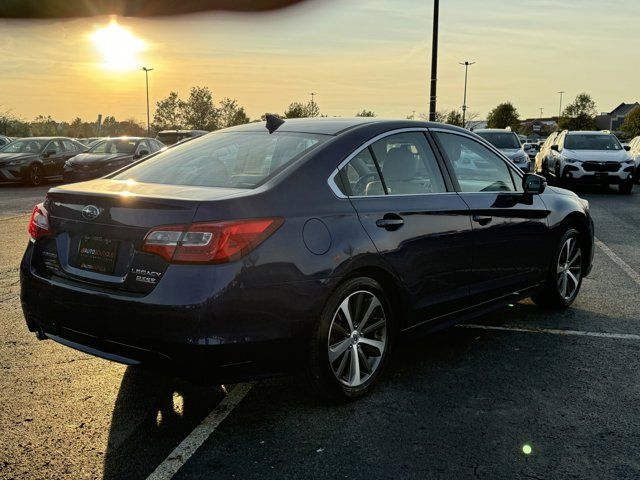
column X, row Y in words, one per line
column 35, row 175
column 357, row 338
column 569, row 269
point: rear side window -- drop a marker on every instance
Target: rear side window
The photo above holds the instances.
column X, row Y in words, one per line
column 476, row 167
column 360, row 177
column 232, row 159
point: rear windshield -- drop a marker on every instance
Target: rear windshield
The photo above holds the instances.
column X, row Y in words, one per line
column 114, row 146
column 592, row 142
column 24, row 146
column 233, row 159
column 501, row 140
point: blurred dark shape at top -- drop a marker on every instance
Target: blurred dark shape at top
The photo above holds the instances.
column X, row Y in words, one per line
column 40, row 9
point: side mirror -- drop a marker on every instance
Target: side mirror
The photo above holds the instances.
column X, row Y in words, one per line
column 142, row 153
column 48, row 153
column 627, row 148
column 555, row 148
column 533, row 184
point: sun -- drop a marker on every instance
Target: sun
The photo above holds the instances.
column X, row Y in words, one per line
column 118, row 47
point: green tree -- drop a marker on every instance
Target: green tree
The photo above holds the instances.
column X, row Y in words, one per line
column 198, row 111
column 579, row 115
column 168, row 114
column 302, row 110
column 43, row 126
column 366, row 113
column 504, row 115
column 631, row 125
column 454, row 117
column 230, row 113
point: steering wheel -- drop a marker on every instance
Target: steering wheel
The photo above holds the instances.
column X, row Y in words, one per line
column 361, row 184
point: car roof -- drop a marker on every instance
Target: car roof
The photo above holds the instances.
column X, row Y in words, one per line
column 587, row 132
column 491, row 130
column 336, row 126
column 126, row 138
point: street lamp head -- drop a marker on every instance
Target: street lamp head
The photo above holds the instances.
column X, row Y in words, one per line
column 147, row 69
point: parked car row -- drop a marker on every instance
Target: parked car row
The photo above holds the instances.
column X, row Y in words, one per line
column 509, row 144
column 587, row 157
column 34, row 160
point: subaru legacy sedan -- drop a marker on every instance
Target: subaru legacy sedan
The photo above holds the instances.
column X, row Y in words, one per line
column 257, row 249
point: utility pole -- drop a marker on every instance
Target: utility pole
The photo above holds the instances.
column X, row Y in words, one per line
column 466, row 64
column 434, row 62
column 541, row 109
column 146, row 74
column 560, row 108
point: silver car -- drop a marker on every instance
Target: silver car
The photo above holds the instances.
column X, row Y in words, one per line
column 509, row 144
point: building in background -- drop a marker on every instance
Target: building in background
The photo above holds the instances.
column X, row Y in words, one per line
column 614, row 120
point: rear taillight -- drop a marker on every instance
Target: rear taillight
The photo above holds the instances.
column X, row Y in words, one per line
column 210, row 242
column 39, row 222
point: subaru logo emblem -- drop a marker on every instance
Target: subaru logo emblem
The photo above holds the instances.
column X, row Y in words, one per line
column 90, row 212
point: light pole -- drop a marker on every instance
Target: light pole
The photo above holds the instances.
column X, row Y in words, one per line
column 560, row 108
column 541, row 109
column 313, row 102
column 434, row 62
column 466, row 64
column 146, row 74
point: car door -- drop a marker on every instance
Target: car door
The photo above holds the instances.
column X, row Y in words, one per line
column 52, row 158
column 420, row 227
column 552, row 157
column 509, row 227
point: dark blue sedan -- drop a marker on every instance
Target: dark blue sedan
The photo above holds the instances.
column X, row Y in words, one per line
column 313, row 243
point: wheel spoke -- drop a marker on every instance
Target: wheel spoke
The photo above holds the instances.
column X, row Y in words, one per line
column 339, row 329
column 364, row 361
column 576, row 257
column 574, row 279
column 354, row 373
column 344, row 307
column 367, row 315
column 343, row 364
column 377, row 344
column 372, row 328
column 563, row 286
column 338, row 349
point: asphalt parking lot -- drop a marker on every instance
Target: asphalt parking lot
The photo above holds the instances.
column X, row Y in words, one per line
column 458, row 404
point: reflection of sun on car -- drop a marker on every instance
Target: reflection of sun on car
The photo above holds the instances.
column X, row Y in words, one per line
column 107, row 156
column 508, row 143
column 253, row 251
column 33, row 160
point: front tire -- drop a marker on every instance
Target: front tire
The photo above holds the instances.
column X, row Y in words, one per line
column 565, row 274
column 35, row 175
column 351, row 341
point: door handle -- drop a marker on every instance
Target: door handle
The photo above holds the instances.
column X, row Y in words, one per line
column 390, row 221
column 482, row 220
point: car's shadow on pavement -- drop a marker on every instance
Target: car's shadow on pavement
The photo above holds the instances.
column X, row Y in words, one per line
column 153, row 413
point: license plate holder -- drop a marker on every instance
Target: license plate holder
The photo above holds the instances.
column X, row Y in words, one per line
column 97, row 254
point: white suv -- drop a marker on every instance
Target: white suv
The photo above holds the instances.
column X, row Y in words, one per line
column 595, row 158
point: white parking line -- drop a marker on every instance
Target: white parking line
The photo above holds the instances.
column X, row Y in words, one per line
column 176, row 459
column 553, row 331
column 635, row 276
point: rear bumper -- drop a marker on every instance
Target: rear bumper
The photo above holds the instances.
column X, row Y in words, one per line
column 226, row 334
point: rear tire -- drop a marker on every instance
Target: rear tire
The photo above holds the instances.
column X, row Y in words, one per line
column 565, row 274
column 351, row 341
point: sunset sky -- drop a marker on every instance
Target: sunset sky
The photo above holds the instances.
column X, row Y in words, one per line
column 355, row 54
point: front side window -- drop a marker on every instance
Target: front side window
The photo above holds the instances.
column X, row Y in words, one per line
column 231, row 159
column 476, row 167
